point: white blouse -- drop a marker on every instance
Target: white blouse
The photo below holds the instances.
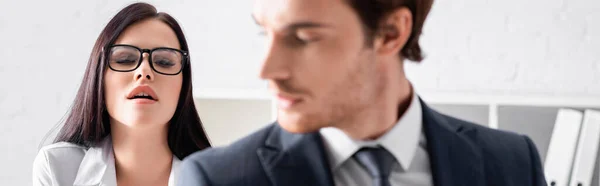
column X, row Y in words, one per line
column 63, row 164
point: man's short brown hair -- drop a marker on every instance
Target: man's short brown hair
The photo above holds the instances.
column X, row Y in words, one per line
column 372, row 13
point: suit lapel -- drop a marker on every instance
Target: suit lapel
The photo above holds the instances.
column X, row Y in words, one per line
column 97, row 166
column 295, row 159
column 455, row 161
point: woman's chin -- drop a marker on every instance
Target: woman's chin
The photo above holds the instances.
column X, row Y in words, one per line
column 143, row 122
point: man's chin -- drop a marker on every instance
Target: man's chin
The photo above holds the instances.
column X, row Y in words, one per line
column 297, row 126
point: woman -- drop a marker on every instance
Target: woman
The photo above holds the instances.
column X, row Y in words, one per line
column 133, row 118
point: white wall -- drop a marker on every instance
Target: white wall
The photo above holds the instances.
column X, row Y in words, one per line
column 533, row 47
column 226, row 120
column 488, row 48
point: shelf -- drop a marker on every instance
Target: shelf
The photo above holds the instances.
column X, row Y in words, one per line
column 523, row 100
column 446, row 98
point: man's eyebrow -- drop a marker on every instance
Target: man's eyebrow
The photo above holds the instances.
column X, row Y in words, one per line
column 297, row 25
column 305, row 24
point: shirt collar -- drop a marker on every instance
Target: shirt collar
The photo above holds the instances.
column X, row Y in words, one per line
column 98, row 166
column 174, row 171
column 401, row 141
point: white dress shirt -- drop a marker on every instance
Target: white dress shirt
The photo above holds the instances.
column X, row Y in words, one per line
column 63, row 164
column 406, row 141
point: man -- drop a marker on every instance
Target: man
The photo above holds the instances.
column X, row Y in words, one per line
column 347, row 115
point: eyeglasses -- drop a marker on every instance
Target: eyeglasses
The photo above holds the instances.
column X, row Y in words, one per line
column 163, row 60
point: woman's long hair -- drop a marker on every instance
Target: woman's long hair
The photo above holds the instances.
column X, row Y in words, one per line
column 87, row 123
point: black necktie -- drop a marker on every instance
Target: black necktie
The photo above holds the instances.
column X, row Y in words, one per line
column 378, row 162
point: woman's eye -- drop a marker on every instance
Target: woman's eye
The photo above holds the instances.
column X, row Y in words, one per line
column 164, row 63
column 125, row 61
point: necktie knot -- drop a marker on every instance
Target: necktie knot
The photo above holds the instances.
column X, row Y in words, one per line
column 377, row 162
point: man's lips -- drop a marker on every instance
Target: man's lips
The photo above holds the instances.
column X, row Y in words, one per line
column 286, row 101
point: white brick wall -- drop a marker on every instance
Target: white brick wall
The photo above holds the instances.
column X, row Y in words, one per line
column 534, row 47
column 484, row 47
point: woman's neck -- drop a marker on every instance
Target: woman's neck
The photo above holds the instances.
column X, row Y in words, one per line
column 142, row 155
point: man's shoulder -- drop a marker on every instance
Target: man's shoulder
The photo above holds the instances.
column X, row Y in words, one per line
column 236, row 150
column 495, row 142
column 231, row 163
column 505, row 154
column 485, row 136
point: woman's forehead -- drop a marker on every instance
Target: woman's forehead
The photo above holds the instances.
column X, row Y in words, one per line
column 149, row 33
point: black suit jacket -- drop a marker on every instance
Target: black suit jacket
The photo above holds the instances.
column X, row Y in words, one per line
column 460, row 153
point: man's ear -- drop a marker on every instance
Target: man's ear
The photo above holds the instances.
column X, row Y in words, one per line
column 394, row 31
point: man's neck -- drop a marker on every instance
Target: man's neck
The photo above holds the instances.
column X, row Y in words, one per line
column 142, row 155
column 382, row 115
